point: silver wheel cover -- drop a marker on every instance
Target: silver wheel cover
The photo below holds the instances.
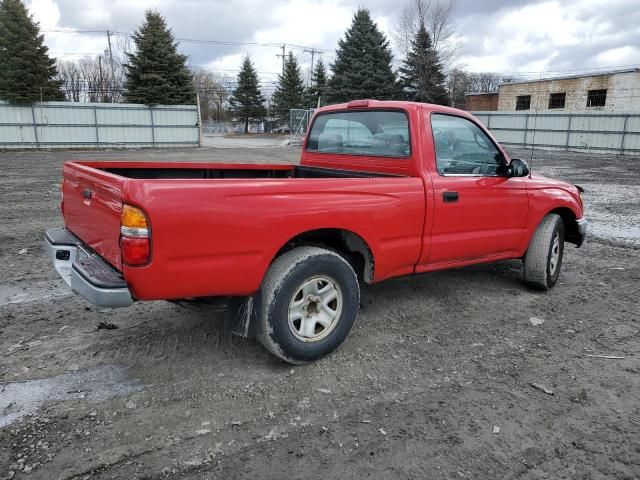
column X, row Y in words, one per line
column 315, row 308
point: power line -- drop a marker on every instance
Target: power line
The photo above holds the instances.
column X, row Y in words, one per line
column 304, row 48
column 572, row 70
column 188, row 40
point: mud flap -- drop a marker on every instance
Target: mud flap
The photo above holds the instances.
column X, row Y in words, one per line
column 242, row 315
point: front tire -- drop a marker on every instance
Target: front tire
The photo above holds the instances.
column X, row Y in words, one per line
column 543, row 260
column 310, row 300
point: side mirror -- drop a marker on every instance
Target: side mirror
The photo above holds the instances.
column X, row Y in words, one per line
column 517, row 168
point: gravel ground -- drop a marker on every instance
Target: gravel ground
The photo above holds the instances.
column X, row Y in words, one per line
column 242, row 141
column 435, row 381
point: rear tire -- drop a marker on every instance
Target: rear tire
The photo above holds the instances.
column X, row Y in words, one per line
column 310, row 300
column 543, row 260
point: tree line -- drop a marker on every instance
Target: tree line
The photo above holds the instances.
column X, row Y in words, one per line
column 152, row 71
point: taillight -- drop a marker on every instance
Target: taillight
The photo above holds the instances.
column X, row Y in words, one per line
column 62, row 197
column 135, row 251
column 134, row 236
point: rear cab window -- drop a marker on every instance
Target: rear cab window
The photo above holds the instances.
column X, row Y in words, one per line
column 377, row 133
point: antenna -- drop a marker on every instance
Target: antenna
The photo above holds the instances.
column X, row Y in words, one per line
column 535, row 125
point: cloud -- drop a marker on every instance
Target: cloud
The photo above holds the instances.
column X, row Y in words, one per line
column 496, row 35
column 552, row 36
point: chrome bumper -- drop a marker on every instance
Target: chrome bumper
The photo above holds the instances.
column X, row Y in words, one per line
column 84, row 272
column 582, row 231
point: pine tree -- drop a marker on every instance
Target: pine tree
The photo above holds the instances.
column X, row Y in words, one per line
column 156, row 73
column 289, row 92
column 247, row 103
column 317, row 91
column 27, row 73
column 363, row 65
column 421, row 76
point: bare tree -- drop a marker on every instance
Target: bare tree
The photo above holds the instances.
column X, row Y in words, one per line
column 121, row 45
column 437, row 16
column 72, row 81
column 96, row 79
column 213, row 89
column 488, row 81
column 459, row 84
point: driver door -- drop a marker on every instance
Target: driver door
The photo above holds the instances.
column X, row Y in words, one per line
column 479, row 213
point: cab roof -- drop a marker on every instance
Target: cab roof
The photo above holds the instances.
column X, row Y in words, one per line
column 366, row 104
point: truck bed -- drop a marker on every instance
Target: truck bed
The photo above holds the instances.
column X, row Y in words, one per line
column 200, row 171
column 232, row 219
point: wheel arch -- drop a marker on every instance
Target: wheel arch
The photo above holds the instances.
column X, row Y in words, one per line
column 568, row 216
column 343, row 241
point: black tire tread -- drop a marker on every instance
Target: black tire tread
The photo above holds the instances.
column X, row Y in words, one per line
column 275, row 276
column 536, row 259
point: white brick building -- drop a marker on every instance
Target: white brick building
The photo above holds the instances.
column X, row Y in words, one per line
column 613, row 91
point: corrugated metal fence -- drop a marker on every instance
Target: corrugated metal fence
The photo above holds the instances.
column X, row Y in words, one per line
column 97, row 125
column 604, row 132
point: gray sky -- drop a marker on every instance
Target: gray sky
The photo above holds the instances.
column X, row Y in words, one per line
column 510, row 36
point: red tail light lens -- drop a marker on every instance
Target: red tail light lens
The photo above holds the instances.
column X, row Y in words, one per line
column 135, row 251
column 135, row 245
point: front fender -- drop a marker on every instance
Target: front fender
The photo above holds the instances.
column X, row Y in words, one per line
column 543, row 201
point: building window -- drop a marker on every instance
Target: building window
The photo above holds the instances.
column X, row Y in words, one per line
column 556, row 100
column 597, row 98
column 523, row 102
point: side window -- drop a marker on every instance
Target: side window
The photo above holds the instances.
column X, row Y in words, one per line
column 462, row 148
column 381, row 133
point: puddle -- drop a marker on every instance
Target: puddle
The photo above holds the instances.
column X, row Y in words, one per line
column 94, row 384
column 34, row 292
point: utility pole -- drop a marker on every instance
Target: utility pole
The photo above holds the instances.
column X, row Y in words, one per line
column 101, row 88
column 313, row 54
column 284, row 46
column 113, row 75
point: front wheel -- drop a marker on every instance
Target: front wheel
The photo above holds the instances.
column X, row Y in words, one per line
column 310, row 300
column 543, row 259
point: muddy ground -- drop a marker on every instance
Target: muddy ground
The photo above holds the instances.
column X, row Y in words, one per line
column 435, row 380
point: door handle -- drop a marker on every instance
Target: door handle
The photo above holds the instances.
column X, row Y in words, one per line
column 450, row 197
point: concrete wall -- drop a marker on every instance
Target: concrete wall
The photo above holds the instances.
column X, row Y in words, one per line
column 601, row 132
column 484, row 102
column 97, row 125
column 623, row 93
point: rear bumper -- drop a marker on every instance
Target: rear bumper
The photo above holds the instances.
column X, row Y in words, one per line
column 582, row 231
column 85, row 272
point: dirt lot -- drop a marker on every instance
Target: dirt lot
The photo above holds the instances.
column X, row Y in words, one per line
column 434, row 382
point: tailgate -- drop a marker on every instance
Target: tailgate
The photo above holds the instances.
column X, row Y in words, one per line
column 92, row 202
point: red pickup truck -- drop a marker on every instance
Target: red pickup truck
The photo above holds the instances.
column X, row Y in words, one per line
column 383, row 189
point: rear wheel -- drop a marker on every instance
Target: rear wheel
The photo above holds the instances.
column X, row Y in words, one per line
column 310, row 300
column 543, row 260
